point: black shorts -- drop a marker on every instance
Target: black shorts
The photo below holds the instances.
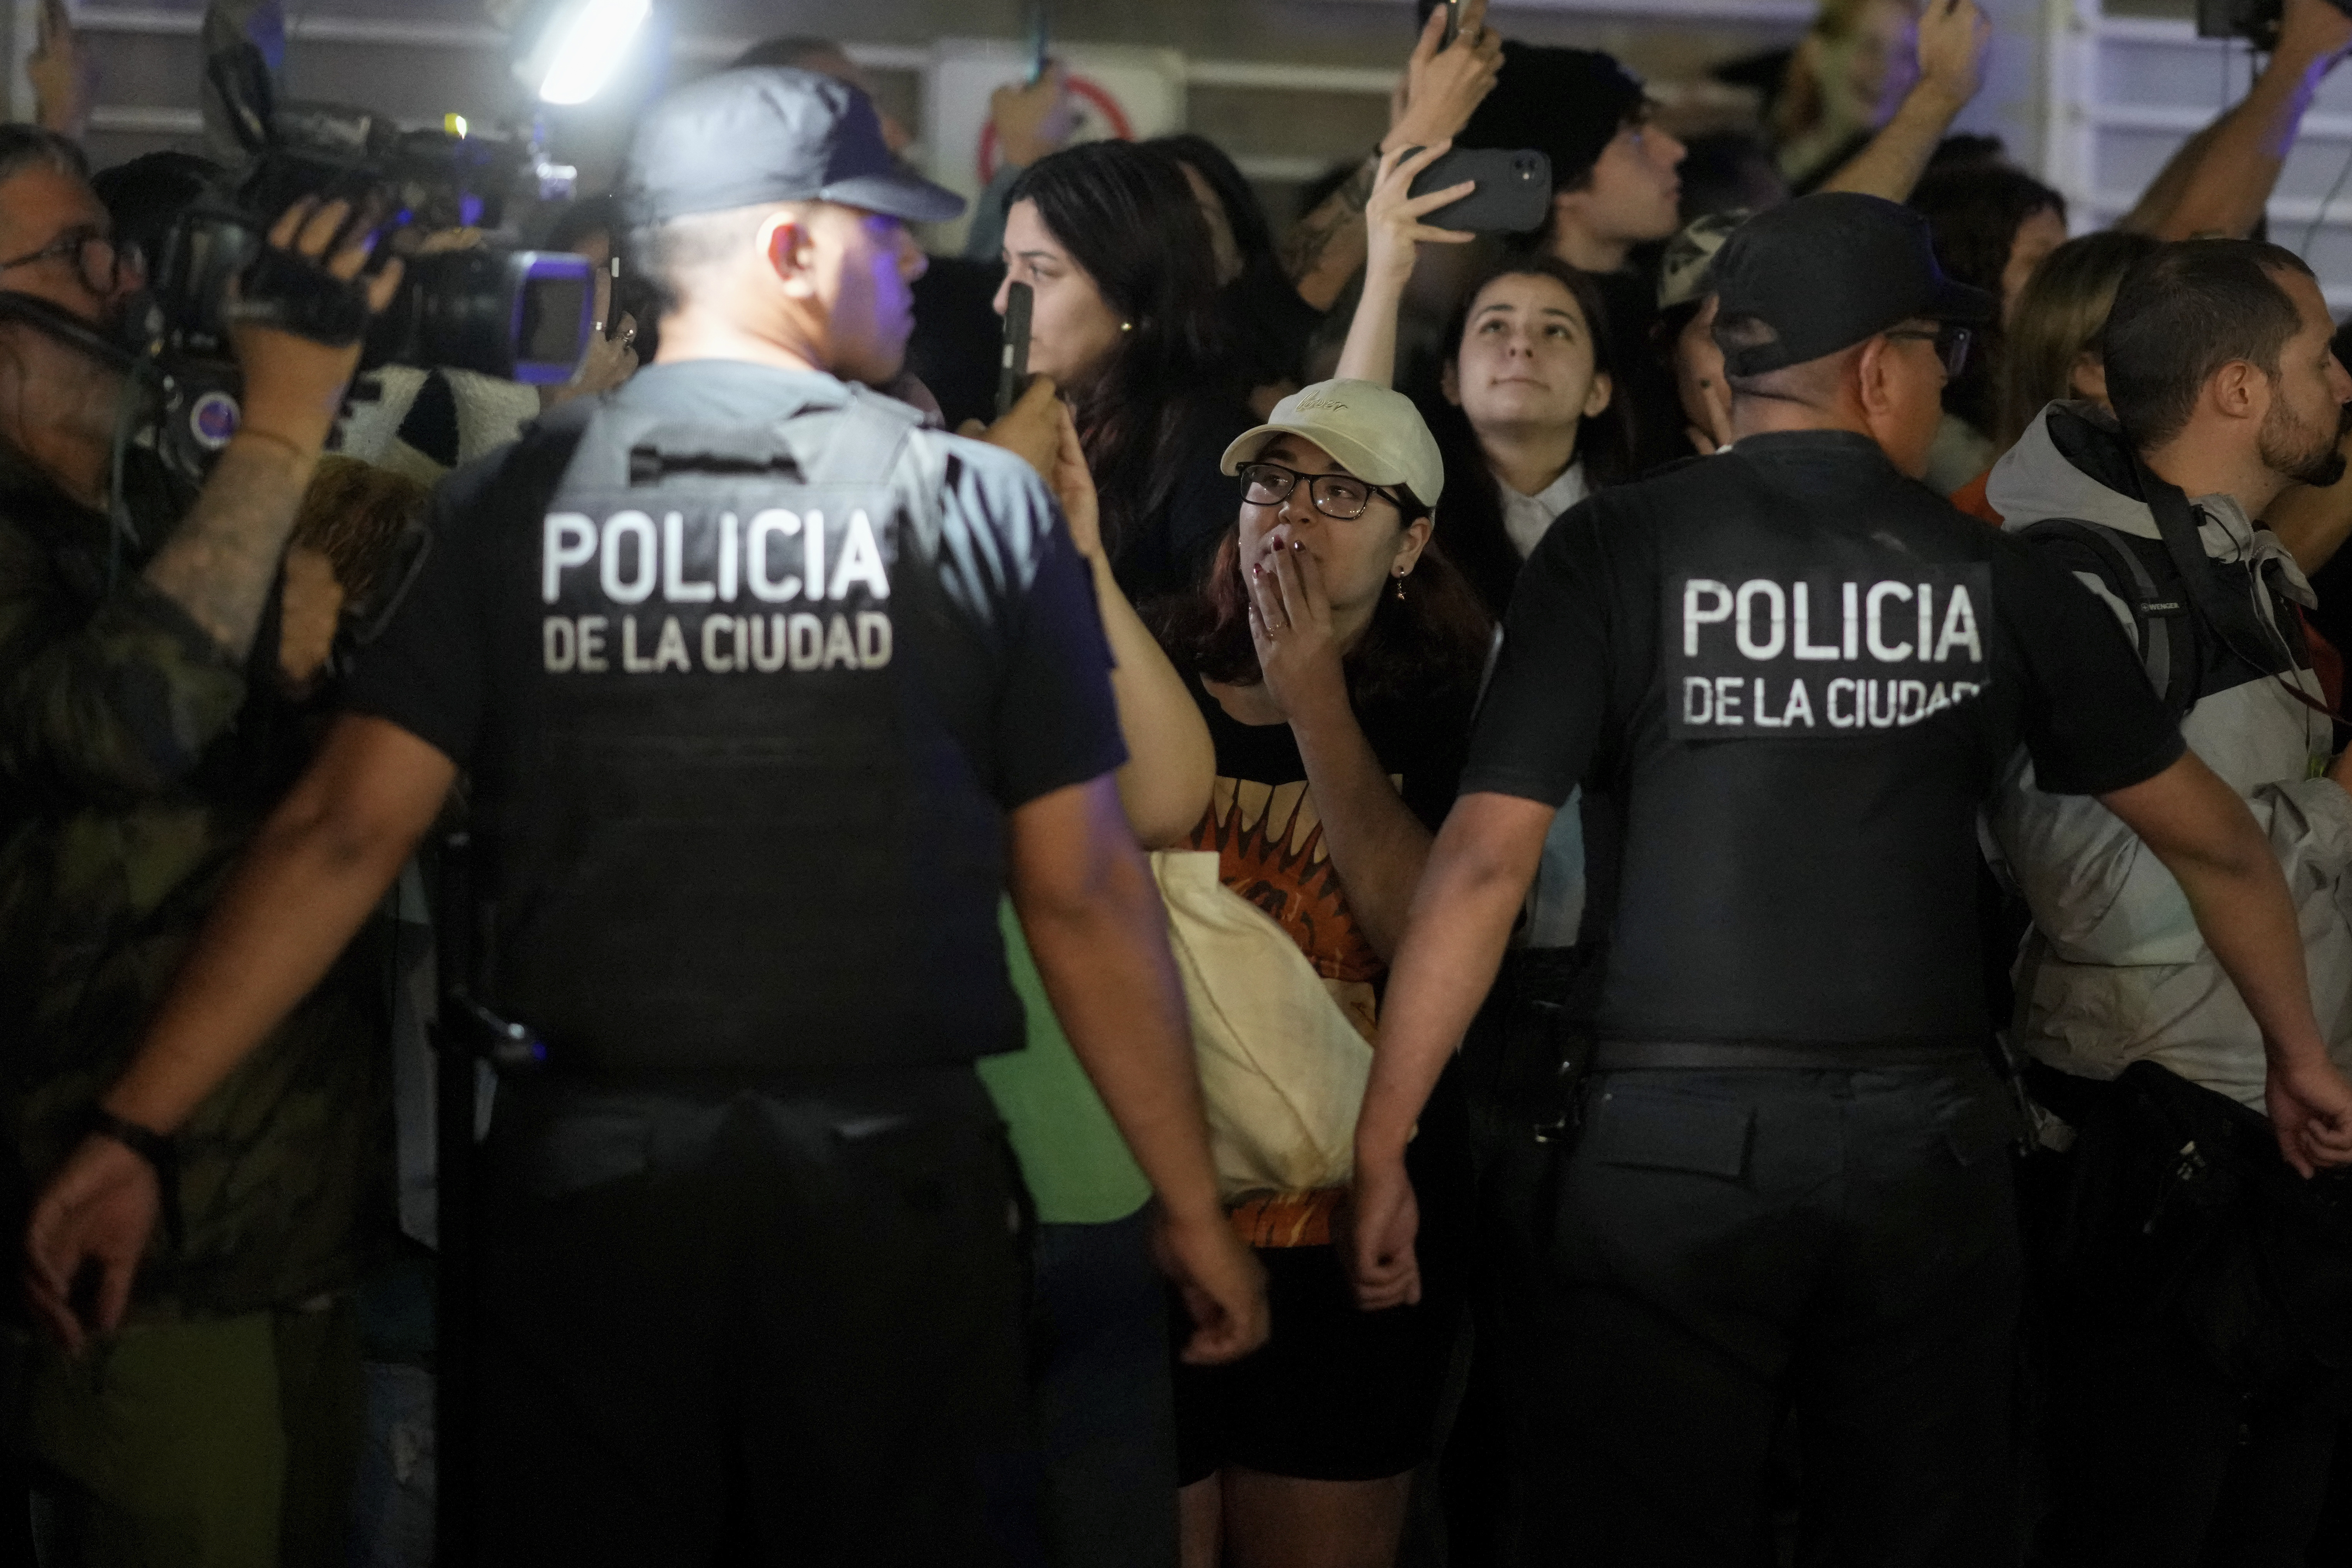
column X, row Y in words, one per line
column 1338, row 1394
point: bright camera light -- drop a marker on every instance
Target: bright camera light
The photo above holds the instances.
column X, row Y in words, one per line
column 583, row 45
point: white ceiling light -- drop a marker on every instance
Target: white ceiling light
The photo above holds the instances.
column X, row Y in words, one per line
column 565, row 52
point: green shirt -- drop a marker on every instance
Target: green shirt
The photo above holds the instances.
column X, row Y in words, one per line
column 1071, row 1154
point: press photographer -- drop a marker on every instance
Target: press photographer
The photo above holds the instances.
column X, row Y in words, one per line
column 145, row 728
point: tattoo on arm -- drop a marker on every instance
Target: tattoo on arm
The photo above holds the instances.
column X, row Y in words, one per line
column 1303, row 247
column 221, row 561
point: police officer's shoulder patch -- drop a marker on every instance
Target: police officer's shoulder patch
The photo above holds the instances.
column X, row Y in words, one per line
column 1823, row 654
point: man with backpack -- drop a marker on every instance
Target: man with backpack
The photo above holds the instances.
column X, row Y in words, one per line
column 2195, row 1283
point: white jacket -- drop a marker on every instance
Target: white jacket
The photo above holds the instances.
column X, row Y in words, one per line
column 2115, row 970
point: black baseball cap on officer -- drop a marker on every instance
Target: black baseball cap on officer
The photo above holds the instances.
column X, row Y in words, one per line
column 771, row 134
column 1825, row 273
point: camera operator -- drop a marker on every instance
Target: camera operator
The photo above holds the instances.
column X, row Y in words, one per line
column 1787, row 1185
column 767, row 695
column 144, row 731
column 2182, row 1418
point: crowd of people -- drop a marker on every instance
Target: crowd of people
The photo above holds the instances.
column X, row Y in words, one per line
column 1672, row 890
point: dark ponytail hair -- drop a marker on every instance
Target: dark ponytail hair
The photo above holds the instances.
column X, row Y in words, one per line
column 1428, row 645
column 1126, row 215
column 1474, row 535
column 1252, row 234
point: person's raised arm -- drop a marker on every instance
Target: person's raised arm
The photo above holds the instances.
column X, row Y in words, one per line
column 1443, row 84
column 1395, row 232
column 221, row 561
column 1377, row 845
column 64, row 78
column 1172, row 763
column 1477, row 878
column 2201, row 830
column 308, row 881
column 1099, row 933
column 1954, row 36
column 1030, row 120
column 2221, row 180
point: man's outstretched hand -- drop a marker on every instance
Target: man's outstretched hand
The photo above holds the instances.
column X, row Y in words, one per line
column 95, row 1215
column 2311, row 1112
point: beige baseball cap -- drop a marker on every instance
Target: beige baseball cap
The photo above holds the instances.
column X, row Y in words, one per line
column 1374, row 433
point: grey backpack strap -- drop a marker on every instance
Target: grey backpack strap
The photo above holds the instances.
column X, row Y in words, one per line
column 2159, row 614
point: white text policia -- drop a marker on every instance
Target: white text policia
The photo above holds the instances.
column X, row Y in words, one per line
column 777, row 558
column 1866, row 628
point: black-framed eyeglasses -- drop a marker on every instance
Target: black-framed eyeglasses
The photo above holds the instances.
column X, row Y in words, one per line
column 1342, row 496
column 1951, row 342
column 98, row 259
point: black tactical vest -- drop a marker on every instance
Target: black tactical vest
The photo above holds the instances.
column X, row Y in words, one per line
column 1818, row 716
column 721, row 827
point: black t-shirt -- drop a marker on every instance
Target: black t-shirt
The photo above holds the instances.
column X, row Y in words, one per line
column 1192, row 503
column 1732, row 650
column 1026, row 688
column 1268, row 835
column 743, row 733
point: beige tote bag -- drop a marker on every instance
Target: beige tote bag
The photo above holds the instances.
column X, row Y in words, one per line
column 1282, row 1069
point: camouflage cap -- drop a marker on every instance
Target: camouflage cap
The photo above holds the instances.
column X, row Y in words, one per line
column 1686, row 274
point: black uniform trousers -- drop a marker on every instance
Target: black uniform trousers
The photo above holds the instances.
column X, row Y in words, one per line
column 1731, row 1247
column 2186, row 1421
column 733, row 1327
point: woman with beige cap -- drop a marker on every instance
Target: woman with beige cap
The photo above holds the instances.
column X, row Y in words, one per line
column 1336, row 658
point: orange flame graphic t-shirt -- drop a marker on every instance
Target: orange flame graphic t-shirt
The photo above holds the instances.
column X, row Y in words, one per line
column 1269, row 840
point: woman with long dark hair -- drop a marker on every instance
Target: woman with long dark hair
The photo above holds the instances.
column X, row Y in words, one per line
column 1336, row 657
column 1109, row 238
column 1266, row 319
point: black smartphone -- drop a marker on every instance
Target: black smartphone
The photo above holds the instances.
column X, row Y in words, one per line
column 1452, row 21
column 1514, row 194
column 1013, row 368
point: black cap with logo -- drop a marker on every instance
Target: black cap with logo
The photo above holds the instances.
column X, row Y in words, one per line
column 1825, row 273
column 771, row 134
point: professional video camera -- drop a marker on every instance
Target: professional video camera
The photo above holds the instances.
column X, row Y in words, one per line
column 2256, row 21
column 521, row 315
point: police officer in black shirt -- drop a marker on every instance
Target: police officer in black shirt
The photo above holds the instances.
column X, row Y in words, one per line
column 766, row 695
column 1796, row 672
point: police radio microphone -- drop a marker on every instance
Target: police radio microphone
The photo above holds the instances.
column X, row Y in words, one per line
column 1013, row 372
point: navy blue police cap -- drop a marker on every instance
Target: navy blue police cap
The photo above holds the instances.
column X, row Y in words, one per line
column 1825, row 273
column 771, row 134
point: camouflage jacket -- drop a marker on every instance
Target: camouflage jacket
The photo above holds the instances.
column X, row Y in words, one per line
column 136, row 761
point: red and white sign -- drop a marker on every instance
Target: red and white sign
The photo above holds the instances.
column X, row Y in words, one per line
column 1121, row 93
column 1100, row 118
